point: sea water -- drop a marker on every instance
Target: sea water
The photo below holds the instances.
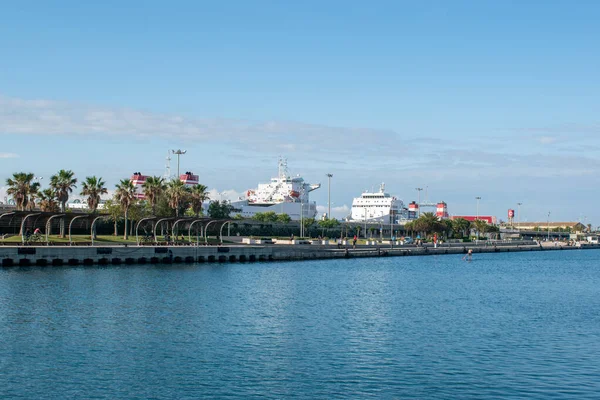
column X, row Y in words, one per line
column 517, row 325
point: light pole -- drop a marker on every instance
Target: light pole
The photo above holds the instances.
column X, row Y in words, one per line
column 365, row 222
column 329, row 176
column 179, row 153
column 419, row 201
column 302, row 212
column 548, row 226
column 477, row 215
column 519, row 215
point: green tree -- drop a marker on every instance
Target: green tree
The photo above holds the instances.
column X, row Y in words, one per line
column 153, row 188
column 48, row 201
column 480, row 226
column 329, row 223
column 284, row 218
column 125, row 196
column 427, row 223
column 198, row 195
column 34, row 194
column 114, row 211
column 20, row 187
column 219, row 209
column 178, row 196
column 93, row 188
column 63, row 183
column 462, row 226
column 137, row 211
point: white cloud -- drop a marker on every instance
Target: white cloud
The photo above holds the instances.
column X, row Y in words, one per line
column 42, row 117
column 336, row 212
column 547, row 139
column 228, row 194
column 8, row 155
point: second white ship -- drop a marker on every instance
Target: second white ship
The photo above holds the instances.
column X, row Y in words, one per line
column 283, row 195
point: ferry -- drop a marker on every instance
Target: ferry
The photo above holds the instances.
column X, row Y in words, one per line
column 380, row 207
column 283, row 195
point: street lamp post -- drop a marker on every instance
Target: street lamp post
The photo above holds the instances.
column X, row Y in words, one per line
column 179, row 153
column 365, row 222
column 419, row 201
column 548, row 226
column 329, row 176
column 477, row 215
column 519, row 215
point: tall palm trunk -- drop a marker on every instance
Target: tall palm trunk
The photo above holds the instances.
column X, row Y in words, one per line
column 62, row 220
column 125, row 233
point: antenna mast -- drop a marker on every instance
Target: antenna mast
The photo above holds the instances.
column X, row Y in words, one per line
column 167, row 175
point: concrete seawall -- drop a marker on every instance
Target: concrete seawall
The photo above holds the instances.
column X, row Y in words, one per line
column 115, row 255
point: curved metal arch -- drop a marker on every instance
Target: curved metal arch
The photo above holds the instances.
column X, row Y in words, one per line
column 221, row 230
column 190, row 230
column 138, row 227
column 206, row 230
column 157, row 224
column 7, row 214
column 23, row 226
column 48, row 224
column 94, row 224
column 175, row 224
column 71, row 224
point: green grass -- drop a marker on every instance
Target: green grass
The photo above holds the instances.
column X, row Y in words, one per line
column 101, row 239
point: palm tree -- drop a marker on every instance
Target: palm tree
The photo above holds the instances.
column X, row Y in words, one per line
column 48, row 200
column 177, row 194
column 63, row 183
column 198, row 196
column 461, row 225
column 480, row 226
column 93, row 188
column 20, row 188
column 34, row 193
column 427, row 223
column 125, row 195
column 153, row 187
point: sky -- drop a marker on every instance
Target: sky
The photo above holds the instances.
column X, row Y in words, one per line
column 466, row 99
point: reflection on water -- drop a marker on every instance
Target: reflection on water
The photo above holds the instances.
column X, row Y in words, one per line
column 503, row 326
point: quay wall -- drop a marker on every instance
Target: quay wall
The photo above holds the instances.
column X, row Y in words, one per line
column 115, row 255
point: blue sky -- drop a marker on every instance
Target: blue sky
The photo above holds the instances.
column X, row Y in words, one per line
column 466, row 98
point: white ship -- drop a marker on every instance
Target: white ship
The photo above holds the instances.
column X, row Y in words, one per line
column 379, row 207
column 283, row 195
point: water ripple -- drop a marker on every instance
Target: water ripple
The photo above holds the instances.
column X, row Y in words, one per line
column 504, row 326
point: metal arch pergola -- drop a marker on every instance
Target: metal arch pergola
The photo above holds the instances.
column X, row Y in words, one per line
column 158, row 223
column 201, row 229
column 23, row 225
column 137, row 227
column 48, row 225
column 71, row 224
column 94, row 225
column 206, row 230
column 221, row 230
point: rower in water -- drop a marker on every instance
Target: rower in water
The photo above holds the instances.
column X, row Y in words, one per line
column 469, row 255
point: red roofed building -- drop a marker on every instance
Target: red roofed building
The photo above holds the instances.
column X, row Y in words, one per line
column 487, row 218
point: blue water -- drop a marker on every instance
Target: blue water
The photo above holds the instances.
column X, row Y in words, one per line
column 520, row 325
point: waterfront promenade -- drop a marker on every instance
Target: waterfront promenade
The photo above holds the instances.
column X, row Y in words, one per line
column 121, row 254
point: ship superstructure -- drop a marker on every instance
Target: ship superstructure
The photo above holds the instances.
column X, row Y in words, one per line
column 379, row 207
column 283, row 195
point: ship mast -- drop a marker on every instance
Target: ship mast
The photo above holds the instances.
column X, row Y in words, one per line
column 283, row 169
column 167, row 175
